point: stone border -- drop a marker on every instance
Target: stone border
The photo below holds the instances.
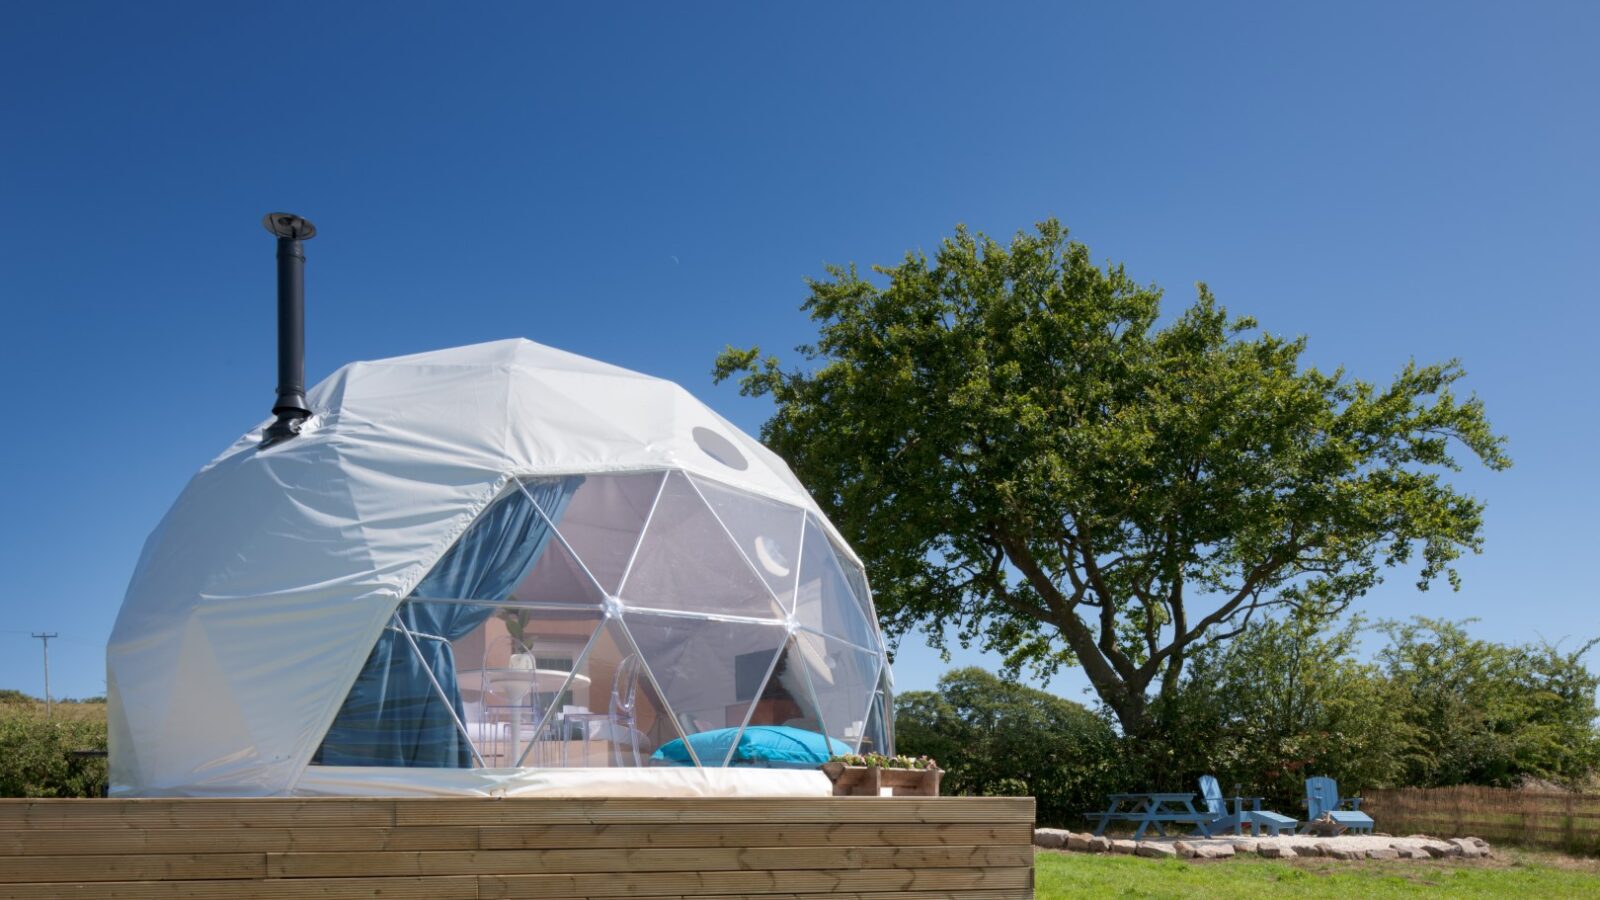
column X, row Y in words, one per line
column 1347, row 847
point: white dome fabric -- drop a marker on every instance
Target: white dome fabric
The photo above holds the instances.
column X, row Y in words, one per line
column 259, row 595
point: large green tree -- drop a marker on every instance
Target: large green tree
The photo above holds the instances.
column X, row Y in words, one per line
column 1018, row 448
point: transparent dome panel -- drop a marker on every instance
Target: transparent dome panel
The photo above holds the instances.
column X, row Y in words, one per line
column 765, row 531
column 604, row 519
column 557, row 579
column 628, row 719
column 824, row 600
column 709, row 671
column 857, row 580
column 786, row 714
column 687, row 562
column 516, row 674
column 876, row 737
column 843, row 679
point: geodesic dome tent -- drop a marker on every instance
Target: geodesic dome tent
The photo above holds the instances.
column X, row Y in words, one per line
column 480, row 563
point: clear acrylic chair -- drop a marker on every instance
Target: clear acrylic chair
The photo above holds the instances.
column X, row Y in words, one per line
column 624, row 706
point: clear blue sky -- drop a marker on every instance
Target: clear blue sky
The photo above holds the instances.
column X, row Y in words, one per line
column 646, row 183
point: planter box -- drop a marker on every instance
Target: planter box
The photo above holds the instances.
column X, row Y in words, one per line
column 868, row 781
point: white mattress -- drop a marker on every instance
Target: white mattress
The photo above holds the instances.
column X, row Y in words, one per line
column 371, row 781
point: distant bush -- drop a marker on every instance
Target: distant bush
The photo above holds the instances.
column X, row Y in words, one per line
column 36, row 758
column 1491, row 714
column 1288, row 698
column 995, row 737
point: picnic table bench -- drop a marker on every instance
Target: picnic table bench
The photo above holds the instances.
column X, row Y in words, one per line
column 1152, row 809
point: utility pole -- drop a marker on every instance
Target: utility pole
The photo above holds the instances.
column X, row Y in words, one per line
column 48, row 712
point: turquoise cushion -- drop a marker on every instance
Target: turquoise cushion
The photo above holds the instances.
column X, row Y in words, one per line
column 760, row 745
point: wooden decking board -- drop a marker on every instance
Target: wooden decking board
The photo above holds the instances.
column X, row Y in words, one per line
column 458, row 888
column 259, row 812
column 848, row 895
column 142, row 867
column 830, row 882
column 514, row 862
column 771, row 849
column 533, row 837
column 99, row 841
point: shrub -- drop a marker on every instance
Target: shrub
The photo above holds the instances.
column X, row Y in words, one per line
column 36, row 758
column 1491, row 714
column 1282, row 701
column 995, row 737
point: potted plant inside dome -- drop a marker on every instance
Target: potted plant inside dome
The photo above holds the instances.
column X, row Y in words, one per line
column 866, row 775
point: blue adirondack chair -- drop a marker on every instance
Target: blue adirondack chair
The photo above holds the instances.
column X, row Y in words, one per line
column 1256, row 817
column 1322, row 796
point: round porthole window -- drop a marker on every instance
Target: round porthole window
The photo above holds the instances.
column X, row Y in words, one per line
column 719, row 448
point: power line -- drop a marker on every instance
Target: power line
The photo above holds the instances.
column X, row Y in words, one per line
column 48, row 711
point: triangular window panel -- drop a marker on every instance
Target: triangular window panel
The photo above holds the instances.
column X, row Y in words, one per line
column 629, row 721
column 857, row 580
column 876, row 737
column 785, row 700
column 405, row 708
column 886, row 699
column 687, row 562
column 825, row 601
column 844, row 680
column 604, row 519
column 518, row 675
column 767, row 533
column 710, row 671
column 557, row 579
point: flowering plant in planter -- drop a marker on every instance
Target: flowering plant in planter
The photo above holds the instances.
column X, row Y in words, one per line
column 885, row 762
column 871, row 774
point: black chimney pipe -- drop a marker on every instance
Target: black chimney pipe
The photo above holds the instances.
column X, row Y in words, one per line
column 290, row 407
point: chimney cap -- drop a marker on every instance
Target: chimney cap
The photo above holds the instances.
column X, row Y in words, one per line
column 289, row 225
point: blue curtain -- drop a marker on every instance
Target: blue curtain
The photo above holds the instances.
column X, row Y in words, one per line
column 394, row 715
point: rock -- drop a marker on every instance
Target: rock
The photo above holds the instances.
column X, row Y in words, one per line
column 1335, row 852
column 1078, row 842
column 1245, row 846
column 1050, row 838
column 1276, row 851
column 1468, row 849
column 1156, row 850
column 1124, row 846
column 1408, row 851
column 1216, row 851
column 1381, row 834
column 1383, row 853
column 1186, row 849
column 1441, row 851
column 1482, row 845
column 1099, row 845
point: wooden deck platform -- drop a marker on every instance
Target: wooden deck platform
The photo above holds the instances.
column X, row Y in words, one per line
column 776, row 849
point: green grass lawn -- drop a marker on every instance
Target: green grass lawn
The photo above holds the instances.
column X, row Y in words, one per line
column 1513, row 873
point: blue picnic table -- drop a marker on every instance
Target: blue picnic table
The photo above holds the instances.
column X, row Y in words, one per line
column 1153, row 809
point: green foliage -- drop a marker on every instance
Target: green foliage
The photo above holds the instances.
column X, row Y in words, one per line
column 1017, row 450
column 1490, row 714
column 36, row 757
column 1282, row 701
column 1286, row 699
column 996, row 737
